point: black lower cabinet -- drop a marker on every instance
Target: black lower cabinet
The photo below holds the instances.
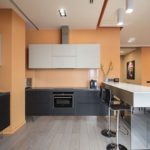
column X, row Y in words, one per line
column 88, row 109
column 84, row 102
column 38, row 102
column 89, row 103
column 4, row 110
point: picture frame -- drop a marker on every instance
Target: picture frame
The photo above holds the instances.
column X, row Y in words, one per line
column 131, row 70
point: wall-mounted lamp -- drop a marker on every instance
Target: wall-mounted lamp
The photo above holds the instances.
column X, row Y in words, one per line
column 129, row 6
column 120, row 17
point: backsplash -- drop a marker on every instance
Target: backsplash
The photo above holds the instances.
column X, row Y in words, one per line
column 62, row 77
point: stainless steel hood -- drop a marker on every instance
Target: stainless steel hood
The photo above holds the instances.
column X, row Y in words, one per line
column 64, row 34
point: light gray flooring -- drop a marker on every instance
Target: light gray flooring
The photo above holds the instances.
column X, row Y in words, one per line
column 62, row 133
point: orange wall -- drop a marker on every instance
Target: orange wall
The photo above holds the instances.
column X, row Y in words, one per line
column 12, row 71
column 108, row 38
column 5, row 30
column 18, row 71
column 145, row 56
column 135, row 55
column 142, row 66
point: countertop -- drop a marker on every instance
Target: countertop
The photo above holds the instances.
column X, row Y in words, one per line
column 63, row 88
column 134, row 95
column 3, row 92
column 130, row 87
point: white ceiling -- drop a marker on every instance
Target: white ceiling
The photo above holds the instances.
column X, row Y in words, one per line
column 83, row 15
column 44, row 13
column 137, row 24
column 126, row 50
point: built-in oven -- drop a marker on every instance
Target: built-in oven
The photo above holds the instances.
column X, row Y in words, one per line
column 63, row 102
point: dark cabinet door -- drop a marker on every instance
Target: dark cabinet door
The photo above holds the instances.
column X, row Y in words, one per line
column 4, row 111
column 89, row 103
column 87, row 96
column 38, row 102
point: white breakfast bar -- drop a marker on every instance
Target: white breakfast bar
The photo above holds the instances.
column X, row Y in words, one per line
column 134, row 95
column 138, row 97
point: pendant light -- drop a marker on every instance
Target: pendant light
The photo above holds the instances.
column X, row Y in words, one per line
column 129, row 6
column 120, row 17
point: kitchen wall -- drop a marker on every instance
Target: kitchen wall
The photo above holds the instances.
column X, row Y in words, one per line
column 135, row 55
column 12, row 71
column 108, row 38
column 145, row 56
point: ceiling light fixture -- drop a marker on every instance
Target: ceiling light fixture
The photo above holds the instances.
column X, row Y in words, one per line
column 131, row 39
column 129, row 6
column 120, row 17
column 62, row 12
column 91, row 1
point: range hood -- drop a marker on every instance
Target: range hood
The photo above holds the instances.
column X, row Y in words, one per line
column 64, row 34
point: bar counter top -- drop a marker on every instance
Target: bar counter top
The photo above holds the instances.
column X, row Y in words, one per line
column 134, row 95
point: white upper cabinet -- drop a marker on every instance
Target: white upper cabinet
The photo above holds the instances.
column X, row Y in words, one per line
column 40, row 56
column 64, row 50
column 63, row 62
column 64, row 56
column 88, row 56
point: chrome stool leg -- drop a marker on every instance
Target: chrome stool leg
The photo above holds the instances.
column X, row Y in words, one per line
column 116, row 146
column 108, row 132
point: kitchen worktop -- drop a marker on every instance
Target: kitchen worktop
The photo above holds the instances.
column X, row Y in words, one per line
column 63, row 88
column 134, row 95
column 130, row 87
column 3, row 93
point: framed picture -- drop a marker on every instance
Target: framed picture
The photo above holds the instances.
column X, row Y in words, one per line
column 131, row 70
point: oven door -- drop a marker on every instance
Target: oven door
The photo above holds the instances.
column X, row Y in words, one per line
column 63, row 101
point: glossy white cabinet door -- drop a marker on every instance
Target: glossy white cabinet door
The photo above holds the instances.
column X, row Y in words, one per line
column 88, row 56
column 64, row 56
column 63, row 50
column 63, row 62
column 40, row 56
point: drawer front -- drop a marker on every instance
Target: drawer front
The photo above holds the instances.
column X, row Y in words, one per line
column 88, row 97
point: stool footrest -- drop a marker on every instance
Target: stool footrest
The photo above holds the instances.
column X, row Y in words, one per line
column 108, row 133
column 113, row 146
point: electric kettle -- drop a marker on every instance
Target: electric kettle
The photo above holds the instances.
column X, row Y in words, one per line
column 93, row 84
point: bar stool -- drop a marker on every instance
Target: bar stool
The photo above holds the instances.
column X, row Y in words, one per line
column 117, row 108
column 105, row 97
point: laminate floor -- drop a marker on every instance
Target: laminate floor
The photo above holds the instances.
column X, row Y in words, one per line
column 62, row 133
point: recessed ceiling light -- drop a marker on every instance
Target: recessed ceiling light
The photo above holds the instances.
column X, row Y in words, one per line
column 121, row 51
column 120, row 17
column 131, row 39
column 129, row 11
column 62, row 12
column 129, row 6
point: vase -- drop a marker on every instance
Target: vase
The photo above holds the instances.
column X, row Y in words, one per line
column 106, row 79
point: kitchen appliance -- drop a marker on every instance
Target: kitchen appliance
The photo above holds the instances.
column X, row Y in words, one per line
column 93, row 84
column 28, row 83
column 63, row 102
column 116, row 79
